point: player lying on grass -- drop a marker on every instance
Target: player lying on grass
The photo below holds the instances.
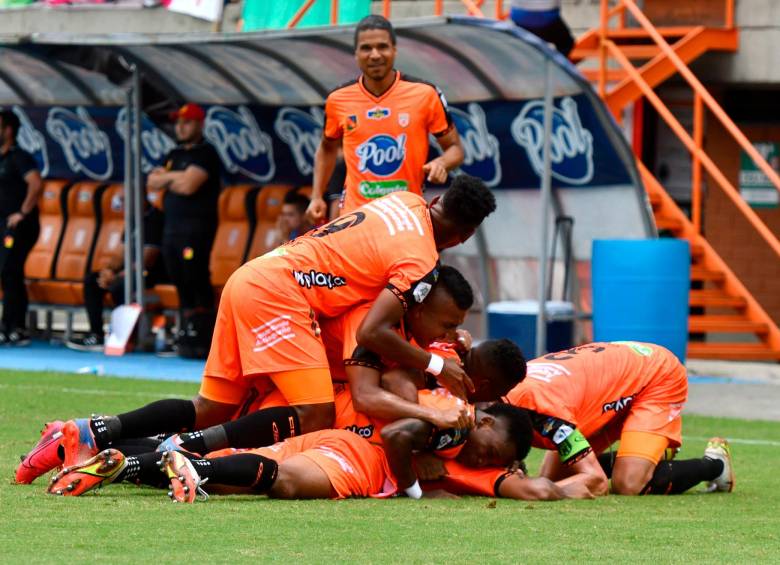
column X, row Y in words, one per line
column 437, row 317
column 584, row 399
column 267, row 323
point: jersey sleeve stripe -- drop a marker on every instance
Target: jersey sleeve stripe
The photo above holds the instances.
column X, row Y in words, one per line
column 400, row 203
column 372, row 206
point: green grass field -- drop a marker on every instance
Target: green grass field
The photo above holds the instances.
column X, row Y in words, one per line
column 125, row 523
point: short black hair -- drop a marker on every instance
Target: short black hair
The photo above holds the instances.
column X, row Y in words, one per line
column 456, row 286
column 374, row 21
column 9, row 119
column 299, row 200
column 520, row 427
column 468, row 201
column 506, row 356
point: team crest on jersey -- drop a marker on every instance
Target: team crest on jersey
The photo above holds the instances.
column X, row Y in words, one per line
column 403, row 119
column 382, row 155
column 351, row 122
column 378, row 113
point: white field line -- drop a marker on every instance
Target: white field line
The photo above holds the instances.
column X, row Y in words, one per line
column 93, row 391
column 738, row 441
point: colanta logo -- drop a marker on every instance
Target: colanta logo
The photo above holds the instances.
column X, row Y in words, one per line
column 31, row 140
column 481, row 152
column 571, row 144
column 302, row 132
column 382, row 155
column 155, row 143
column 243, row 147
column 86, row 148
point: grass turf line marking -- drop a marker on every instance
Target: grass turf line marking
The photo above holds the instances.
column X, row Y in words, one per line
column 94, row 391
column 766, row 442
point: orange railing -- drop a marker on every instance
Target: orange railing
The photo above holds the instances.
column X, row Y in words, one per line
column 473, row 7
column 701, row 98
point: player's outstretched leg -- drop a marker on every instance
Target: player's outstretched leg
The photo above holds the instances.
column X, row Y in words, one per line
column 102, row 469
column 44, row 456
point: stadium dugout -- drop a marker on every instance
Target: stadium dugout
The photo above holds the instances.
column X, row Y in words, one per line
column 264, row 93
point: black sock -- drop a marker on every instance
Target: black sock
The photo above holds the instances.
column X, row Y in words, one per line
column 203, row 442
column 135, row 446
column 170, row 415
column 607, row 461
column 106, row 429
column 262, row 428
column 144, row 469
column 243, row 470
column 675, row 477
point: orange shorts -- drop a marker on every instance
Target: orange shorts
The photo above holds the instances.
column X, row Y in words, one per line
column 652, row 423
column 354, row 467
column 266, row 329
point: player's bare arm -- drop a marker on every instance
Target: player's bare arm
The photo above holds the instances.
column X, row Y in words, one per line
column 377, row 333
column 370, row 398
column 586, row 472
column 436, row 170
column 400, row 440
column 324, row 163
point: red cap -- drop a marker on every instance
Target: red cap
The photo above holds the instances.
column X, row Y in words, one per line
column 189, row 111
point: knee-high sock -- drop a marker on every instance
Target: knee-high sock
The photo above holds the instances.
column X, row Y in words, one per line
column 144, row 469
column 241, row 470
column 163, row 416
column 675, row 477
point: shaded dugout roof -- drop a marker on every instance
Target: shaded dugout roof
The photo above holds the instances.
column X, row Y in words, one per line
column 271, row 68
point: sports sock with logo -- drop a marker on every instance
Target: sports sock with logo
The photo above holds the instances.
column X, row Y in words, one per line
column 243, row 470
column 163, row 416
column 675, row 477
column 143, row 469
column 258, row 429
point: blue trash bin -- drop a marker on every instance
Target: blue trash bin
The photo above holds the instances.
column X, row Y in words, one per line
column 640, row 292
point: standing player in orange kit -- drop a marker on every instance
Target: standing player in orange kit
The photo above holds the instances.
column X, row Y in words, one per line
column 584, row 399
column 382, row 121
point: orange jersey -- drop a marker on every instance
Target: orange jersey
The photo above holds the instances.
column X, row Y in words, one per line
column 591, row 386
column 385, row 244
column 385, row 138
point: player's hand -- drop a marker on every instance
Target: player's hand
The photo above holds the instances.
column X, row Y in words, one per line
column 316, row 211
column 105, row 278
column 457, row 418
column 435, row 172
column 455, row 379
column 578, row 490
column 463, row 340
column 13, row 220
column 429, row 467
column 439, row 493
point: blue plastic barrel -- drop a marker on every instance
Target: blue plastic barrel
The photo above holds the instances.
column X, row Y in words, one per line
column 640, row 292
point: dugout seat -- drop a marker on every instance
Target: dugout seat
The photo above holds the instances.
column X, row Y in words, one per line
column 52, row 208
column 268, row 205
column 75, row 250
column 230, row 242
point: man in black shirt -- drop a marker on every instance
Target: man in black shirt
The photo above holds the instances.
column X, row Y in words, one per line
column 191, row 180
column 111, row 280
column 20, row 188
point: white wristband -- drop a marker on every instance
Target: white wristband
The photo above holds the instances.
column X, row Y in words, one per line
column 435, row 365
column 414, row 491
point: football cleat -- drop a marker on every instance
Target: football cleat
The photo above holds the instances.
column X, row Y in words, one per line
column 100, row 470
column 185, row 483
column 173, row 443
column 43, row 457
column 78, row 442
column 718, row 448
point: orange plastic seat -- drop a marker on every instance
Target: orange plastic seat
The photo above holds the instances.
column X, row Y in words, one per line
column 268, row 206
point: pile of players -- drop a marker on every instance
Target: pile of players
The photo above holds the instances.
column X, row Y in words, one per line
column 337, row 369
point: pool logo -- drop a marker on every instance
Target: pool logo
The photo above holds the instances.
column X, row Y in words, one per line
column 86, row 148
column 32, row 141
column 244, row 148
column 301, row 131
column 155, row 143
column 571, row 145
column 382, row 155
column 481, row 151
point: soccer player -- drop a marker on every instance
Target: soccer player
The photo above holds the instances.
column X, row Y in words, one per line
column 382, row 121
column 584, row 399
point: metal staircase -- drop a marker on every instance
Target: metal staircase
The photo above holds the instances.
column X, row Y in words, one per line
column 627, row 64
